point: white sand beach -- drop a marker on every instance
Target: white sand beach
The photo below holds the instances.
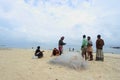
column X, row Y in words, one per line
column 18, row 64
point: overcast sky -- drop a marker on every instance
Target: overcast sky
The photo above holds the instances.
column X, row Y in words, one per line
column 43, row 22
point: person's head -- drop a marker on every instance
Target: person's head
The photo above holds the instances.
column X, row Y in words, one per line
column 38, row 47
column 62, row 38
column 98, row 36
column 54, row 48
column 84, row 36
column 88, row 38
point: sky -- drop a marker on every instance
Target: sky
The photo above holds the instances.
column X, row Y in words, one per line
column 27, row 23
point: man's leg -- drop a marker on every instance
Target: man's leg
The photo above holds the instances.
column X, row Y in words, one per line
column 60, row 49
column 85, row 53
column 97, row 55
column 91, row 56
column 101, row 55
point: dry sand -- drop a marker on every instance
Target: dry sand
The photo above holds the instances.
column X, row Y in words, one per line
column 17, row 64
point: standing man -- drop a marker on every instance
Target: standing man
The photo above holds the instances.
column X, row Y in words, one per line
column 89, row 48
column 60, row 45
column 84, row 47
column 99, row 48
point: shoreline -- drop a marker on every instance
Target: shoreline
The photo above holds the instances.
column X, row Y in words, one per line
column 105, row 52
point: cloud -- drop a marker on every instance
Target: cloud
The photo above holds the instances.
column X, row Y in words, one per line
column 45, row 21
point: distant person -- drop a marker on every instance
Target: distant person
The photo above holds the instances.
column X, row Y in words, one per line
column 89, row 48
column 60, row 45
column 39, row 53
column 69, row 49
column 99, row 48
column 84, row 47
column 55, row 52
column 73, row 49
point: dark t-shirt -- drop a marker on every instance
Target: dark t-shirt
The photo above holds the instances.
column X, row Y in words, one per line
column 99, row 43
column 38, row 53
column 61, row 43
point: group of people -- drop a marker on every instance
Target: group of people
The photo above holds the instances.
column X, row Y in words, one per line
column 55, row 51
column 59, row 51
column 71, row 49
column 86, row 48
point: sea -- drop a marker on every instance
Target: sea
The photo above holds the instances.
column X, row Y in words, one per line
column 105, row 50
column 67, row 48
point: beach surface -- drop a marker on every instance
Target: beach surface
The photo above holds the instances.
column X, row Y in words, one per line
column 18, row 64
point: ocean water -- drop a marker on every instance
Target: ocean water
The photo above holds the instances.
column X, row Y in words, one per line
column 105, row 50
column 66, row 48
column 111, row 50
